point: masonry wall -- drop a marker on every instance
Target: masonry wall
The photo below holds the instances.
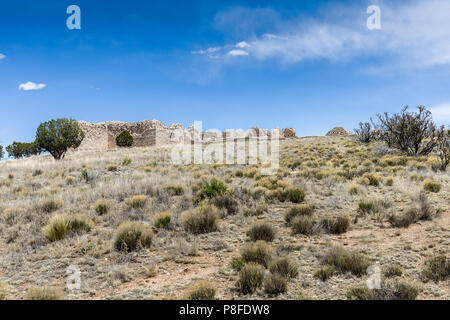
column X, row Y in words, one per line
column 102, row 136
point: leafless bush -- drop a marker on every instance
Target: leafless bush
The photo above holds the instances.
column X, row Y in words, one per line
column 412, row 132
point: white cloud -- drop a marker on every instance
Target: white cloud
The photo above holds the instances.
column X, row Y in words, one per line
column 238, row 53
column 414, row 34
column 242, row 45
column 31, row 86
column 2, row 56
column 441, row 113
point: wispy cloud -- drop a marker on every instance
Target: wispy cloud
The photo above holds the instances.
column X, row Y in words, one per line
column 414, row 34
column 441, row 113
column 238, row 53
column 2, row 56
column 31, row 86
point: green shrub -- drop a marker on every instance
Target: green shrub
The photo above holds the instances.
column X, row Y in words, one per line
column 324, row 273
column 431, row 186
column 23, row 149
column 346, row 261
column 237, row 263
column 257, row 252
column 275, row 285
column 85, row 175
column 1, row 152
column 437, row 268
column 261, row 231
column 162, row 219
column 101, row 207
column 126, row 161
column 298, row 210
column 124, row 139
column 284, row 267
column 202, row 290
column 251, row 278
column 200, row 220
column 131, row 236
column 296, row 195
column 58, row 136
column 212, row 189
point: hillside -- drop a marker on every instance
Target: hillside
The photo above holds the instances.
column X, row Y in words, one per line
column 358, row 197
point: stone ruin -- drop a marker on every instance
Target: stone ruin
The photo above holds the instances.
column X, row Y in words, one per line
column 337, row 132
column 102, row 136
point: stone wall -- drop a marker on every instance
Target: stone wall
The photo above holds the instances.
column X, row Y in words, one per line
column 102, row 136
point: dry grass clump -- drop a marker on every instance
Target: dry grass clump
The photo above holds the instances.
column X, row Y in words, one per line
column 431, row 186
column 284, row 267
column 259, row 210
column 437, row 268
column 275, row 285
column 43, row 293
column 251, row 173
column 202, row 290
column 390, row 290
column 371, row 179
column 251, row 278
column 3, row 291
column 257, row 252
column 162, row 219
column 393, row 270
column 137, row 202
column 336, row 225
column 366, row 207
column 392, row 161
column 293, row 194
column 112, row 167
column 324, row 273
column 354, row 189
column 305, row 225
column 298, row 210
column 420, row 210
column 51, row 205
column 390, row 181
column 346, row 261
column 101, row 207
column 61, row 226
column 70, row 180
column 200, row 220
column 261, row 231
column 131, row 236
column 174, row 189
column 227, row 203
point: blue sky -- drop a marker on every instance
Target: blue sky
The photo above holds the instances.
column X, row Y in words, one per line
column 310, row 65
